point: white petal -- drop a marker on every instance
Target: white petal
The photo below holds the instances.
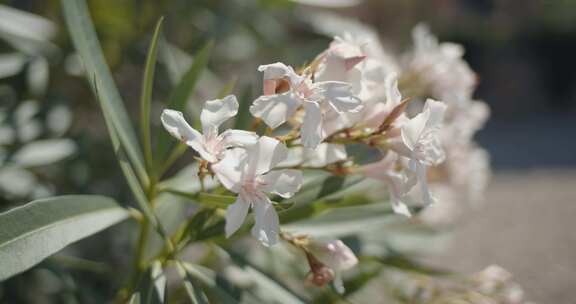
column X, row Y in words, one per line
column 393, row 96
column 275, row 109
column 340, row 96
column 282, row 182
column 230, row 169
column 176, row 125
column 238, row 138
column 423, row 181
column 235, row 215
column 398, row 205
column 311, row 130
column 278, row 70
column 436, row 110
column 217, row 111
column 265, row 155
column 267, row 225
column 325, row 154
column 412, row 129
column 338, row 283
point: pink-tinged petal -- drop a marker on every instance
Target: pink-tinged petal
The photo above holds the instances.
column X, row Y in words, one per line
column 340, row 96
column 334, row 254
column 351, row 62
column 238, row 138
column 217, row 111
column 176, row 125
column 311, row 130
column 267, row 225
column 235, row 215
column 229, row 170
column 269, row 86
column 274, row 110
column 281, row 182
column 333, row 68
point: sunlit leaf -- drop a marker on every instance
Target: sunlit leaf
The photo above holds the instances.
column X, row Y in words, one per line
column 31, row 233
column 44, row 152
column 187, row 84
column 146, row 95
column 84, row 37
column 178, row 99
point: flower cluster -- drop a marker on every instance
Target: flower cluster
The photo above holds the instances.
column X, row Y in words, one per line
column 349, row 94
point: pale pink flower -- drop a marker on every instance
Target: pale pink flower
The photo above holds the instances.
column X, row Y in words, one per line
column 210, row 145
column 249, row 173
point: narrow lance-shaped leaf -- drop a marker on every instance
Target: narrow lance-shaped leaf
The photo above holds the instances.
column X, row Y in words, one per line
column 132, row 181
column 33, row 232
column 267, row 287
column 185, row 87
column 242, row 120
column 152, row 287
column 208, row 279
column 195, row 294
column 86, row 42
column 146, row 95
column 180, row 95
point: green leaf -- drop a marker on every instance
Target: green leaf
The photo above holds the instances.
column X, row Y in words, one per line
column 44, row 152
column 194, row 292
column 209, row 279
column 33, row 232
column 228, row 88
column 186, row 86
column 146, row 95
column 130, row 175
column 177, row 101
column 345, row 220
column 86, row 42
column 266, row 287
column 135, row 299
column 243, row 118
column 152, row 288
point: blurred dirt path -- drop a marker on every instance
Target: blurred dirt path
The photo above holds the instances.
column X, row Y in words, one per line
column 528, row 226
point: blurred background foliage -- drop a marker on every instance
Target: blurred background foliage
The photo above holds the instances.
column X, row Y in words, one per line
column 53, row 138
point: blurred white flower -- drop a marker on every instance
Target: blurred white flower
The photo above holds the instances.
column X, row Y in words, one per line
column 323, row 155
column 249, row 173
column 210, row 145
column 398, row 180
column 274, row 108
column 440, row 67
column 421, row 144
column 335, row 255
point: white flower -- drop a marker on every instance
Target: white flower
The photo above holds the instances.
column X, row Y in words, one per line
column 323, row 155
column 398, row 181
column 440, row 67
column 248, row 173
column 275, row 108
column 421, row 144
column 210, row 145
column 358, row 62
column 337, row 256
